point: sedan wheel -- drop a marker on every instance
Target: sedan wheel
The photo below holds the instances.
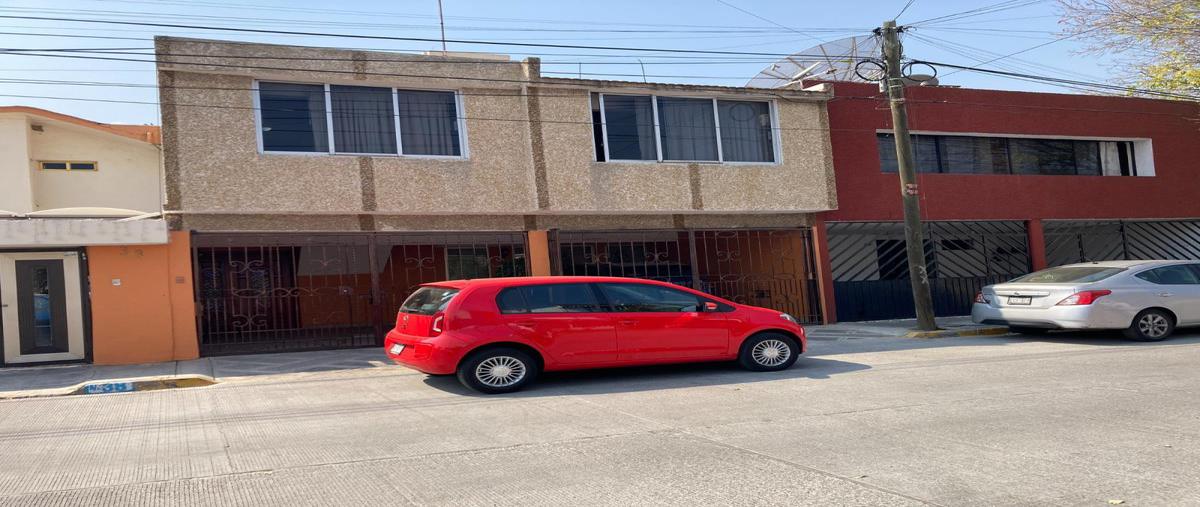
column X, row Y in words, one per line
column 768, row 352
column 1151, row 326
column 497, row 370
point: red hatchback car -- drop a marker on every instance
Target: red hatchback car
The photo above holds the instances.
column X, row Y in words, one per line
column 498, row 334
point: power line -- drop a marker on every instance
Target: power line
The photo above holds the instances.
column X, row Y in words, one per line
column 470, row 118
column 392, row 26
column 375, row 14
column 405, row 39
column 903, row 9
column 331, row 71
column 1065, row 37
column 1105, row 86
column 689, row 59
column 515, row 94
column 771, row 21
column 979, row 11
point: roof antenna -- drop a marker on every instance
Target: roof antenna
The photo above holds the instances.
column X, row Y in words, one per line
column 442, row 22
column 643, row 70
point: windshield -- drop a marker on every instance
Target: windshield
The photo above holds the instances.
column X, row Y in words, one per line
column 428, row 300
column 1069, row 274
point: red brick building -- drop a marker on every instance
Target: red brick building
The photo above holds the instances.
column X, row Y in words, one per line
column 1009, row 181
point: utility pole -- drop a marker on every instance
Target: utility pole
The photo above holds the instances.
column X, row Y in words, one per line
column 914, row 237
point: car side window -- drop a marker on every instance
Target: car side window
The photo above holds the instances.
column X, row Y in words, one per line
column 560, row 298
column 1180, row 274
column 512, row 300
column 634, row 297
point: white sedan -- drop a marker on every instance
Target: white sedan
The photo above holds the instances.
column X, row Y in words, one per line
column 1147, row 299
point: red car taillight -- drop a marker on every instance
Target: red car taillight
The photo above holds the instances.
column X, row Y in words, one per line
column 436, row 327
column 980, row 298
column 1086, row 297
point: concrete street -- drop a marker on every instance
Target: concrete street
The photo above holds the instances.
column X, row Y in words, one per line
column 1055, row 420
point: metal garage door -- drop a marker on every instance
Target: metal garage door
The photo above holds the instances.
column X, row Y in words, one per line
column 870, row 265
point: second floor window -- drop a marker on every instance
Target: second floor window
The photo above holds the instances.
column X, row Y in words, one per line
column 962, row 154
column 682, row 129
column 313, row 118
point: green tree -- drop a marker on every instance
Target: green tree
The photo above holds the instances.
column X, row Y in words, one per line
column 1156, row 43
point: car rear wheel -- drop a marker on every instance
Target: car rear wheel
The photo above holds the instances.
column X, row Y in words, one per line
column 768, row 352
column 1150, row 326
column 497, row 370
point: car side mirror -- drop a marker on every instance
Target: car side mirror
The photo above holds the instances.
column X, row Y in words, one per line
column 710, row 306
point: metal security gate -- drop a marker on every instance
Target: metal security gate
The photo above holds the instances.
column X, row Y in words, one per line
column 870, row 265
column 288, row 292
column 769, row 268
column 1068, row 241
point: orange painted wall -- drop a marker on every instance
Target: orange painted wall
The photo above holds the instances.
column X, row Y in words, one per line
column 150, row 316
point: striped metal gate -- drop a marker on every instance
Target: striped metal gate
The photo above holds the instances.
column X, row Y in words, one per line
column 1071, row 241
column 772, row 268
column 283, row 292
column 870, row 265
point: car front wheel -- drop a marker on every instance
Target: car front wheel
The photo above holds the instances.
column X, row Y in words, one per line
column 768, row 352
column 1150, row 326
column 497, row 370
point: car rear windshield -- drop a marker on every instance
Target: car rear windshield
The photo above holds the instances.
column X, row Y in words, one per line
column 1070, row 274
column 428, row 300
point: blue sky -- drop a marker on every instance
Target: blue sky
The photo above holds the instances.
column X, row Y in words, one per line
column 753, row 26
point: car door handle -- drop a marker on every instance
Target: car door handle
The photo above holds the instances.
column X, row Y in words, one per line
column 527, row 325
column 627, row 322
column 1165, row 294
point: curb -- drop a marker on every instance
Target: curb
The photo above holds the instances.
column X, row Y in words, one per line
column 116, row 386
column 950, row 333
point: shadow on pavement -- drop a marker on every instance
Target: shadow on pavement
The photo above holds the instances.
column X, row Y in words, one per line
column 819, row 347
column 647, row 378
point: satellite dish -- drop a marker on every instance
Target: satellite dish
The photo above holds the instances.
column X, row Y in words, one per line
column 831, row 61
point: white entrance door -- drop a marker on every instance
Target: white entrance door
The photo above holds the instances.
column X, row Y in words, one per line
column 42, row 307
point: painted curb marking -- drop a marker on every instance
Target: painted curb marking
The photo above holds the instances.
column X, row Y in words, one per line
column 987, row 331
column 128, row 386
column 114, row 386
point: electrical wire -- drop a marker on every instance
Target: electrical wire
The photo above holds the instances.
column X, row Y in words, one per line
column 903, row 10
column 394, row 38
column 979, row 11
column 1110, row 87
column 162, row 61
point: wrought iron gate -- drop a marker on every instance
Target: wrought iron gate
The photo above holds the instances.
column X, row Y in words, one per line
column 769, row 268
column 870, row 265
column 1071, row 241
column 287, row 292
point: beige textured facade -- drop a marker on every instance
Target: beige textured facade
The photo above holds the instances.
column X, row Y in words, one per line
column 530, row 162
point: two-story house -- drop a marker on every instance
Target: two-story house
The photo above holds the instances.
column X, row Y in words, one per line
column 320, row 186
column 1009, row 182
column 87, row 268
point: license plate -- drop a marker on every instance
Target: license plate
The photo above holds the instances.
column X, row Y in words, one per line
column 396, row 349
column 1020, row 300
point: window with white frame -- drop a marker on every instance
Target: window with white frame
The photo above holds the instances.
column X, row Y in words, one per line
column 975, row 154
column 682, row 129
column 361, row 120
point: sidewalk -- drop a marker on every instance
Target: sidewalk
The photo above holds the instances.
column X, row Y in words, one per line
column 902, row 328
column 58, row 380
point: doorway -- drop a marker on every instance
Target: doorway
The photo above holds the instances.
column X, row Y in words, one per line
column 41, row 307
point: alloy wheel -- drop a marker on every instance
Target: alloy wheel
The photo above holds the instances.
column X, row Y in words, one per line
column 771, row 352
column 500, row 371
column 1153, row 325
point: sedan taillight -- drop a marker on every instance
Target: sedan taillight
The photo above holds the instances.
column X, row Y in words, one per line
column 981, row 299
column 1084, row 298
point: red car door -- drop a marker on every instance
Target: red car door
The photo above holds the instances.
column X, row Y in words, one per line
column 660, row 323
column 564, row 319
